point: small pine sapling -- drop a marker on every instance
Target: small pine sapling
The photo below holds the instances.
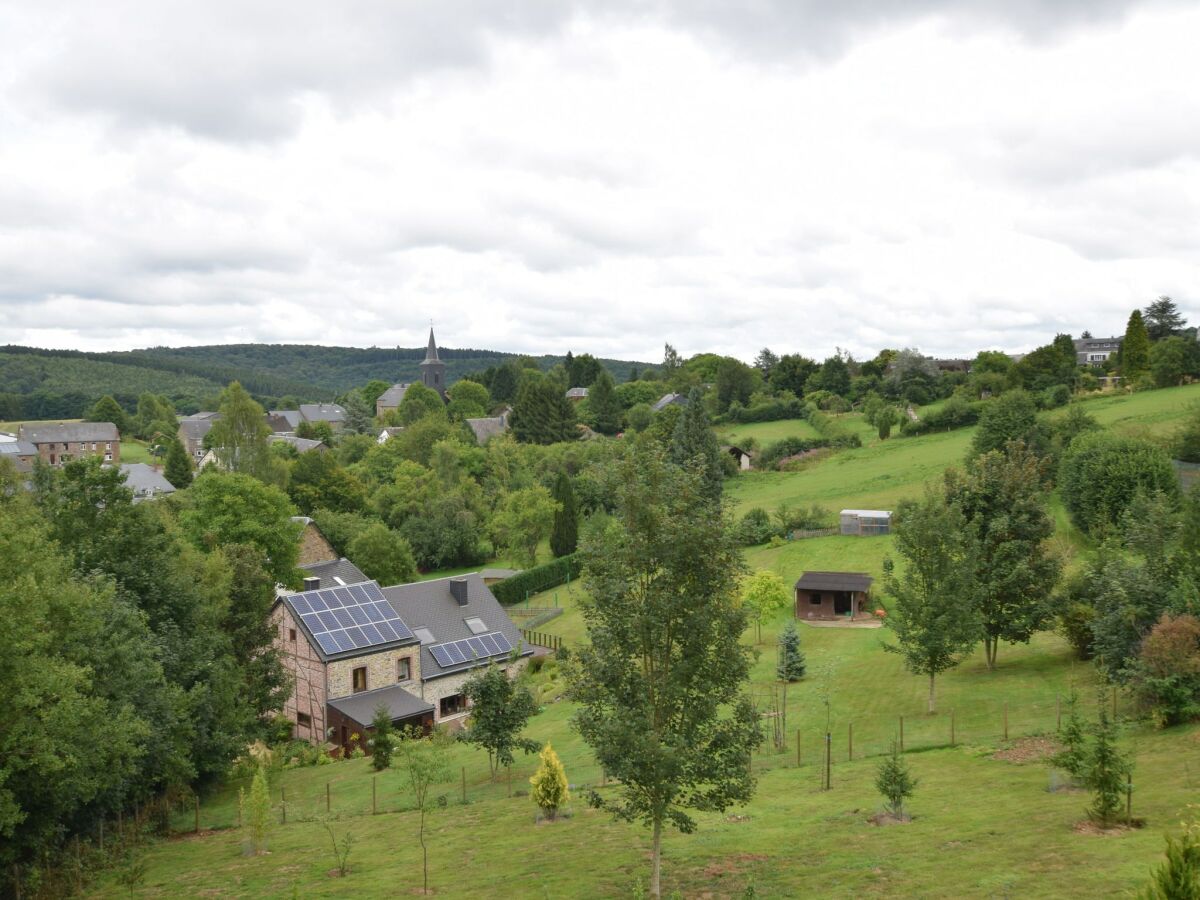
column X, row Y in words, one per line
column 550, row 790
column 1179, row 874
column 1107, row 771
column 1072, row 759
column 381, row 742
column 791, row 664
column 132, row 873
column 259, row 811
column 894, row 781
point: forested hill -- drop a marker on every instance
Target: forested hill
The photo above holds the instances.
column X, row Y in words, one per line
column 49, row 384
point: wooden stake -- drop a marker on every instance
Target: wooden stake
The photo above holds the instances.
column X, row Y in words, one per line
column 797, row 746
column 850, row 741
column 327, row 796
column 828, row 761
column 239, row 810
column 1129, row 800
column 902, row 734
column 1058, row 712
column 372, row 795
column 464, row 783
column 197, row 798
column 508, row 776
column 1006, row 720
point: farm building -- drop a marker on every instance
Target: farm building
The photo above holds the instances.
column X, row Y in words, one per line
column 866, row 522
column 739, row 456
column 832, row 595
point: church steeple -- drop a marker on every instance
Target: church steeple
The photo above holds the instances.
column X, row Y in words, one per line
column 433, row 370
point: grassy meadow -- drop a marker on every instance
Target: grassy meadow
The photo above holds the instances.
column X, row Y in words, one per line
column 986, row 821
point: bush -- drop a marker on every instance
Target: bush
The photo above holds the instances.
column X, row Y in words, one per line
column 785, row 447
column 955, row 413
column 537, row 579
column 1167, row 670
column 1075, row 623
column 1054, row 397
column 754, row 528
column 1101, row 473
column 773, row 409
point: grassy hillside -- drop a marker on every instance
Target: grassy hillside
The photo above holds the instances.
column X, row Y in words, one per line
column 987, row 823
column 767, row 432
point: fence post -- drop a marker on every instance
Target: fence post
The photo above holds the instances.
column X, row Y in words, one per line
column 1006, row 720
column 102, row 835
column 283, row 813
column 373, row 795
column 828, row 762
column 239, row 809
column 464, row 784
column 797, row 746
column 902, row 734
column 1129, row 801
column 508, row 776
column 1058, row 712
column 327, row 796
column 850, row 741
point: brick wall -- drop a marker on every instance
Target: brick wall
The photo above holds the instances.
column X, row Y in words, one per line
column 308, row 676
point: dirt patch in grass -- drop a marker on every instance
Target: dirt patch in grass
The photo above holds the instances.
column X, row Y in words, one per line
column 737, row 818
column 1087, row 826
column 886, row 818
column 1027, row 750
column 731, row 865
column 194, row 835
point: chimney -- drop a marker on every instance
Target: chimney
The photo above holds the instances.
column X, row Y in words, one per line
column 312, row 583
column 458, row 590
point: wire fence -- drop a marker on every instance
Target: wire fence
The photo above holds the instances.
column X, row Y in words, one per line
column 322, row 792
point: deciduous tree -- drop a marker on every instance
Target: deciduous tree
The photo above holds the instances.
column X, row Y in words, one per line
column 661, row 682
column 763, row 594
column 424, row 763
column 383, row 555
column 500, row 709
column 931, row 613
column 522, row 521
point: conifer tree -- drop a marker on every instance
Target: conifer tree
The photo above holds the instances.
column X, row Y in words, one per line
column 603, row 402
column 550, row 790
column 1072, row 759
column 1107, row 770
column 542, row 414
column 108, row 410
column 791, row 663
column 178, row 468
column 694, row 444
column 895, row 782
column 1135, row 349
column 564, row 538
column 381, row 740
column 1178, row 876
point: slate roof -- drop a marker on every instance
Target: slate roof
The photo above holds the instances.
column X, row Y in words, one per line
column 303, row 445
column 195, row 427
column 145, row 481
column 487, row 428
column 323, row 412
column 400, row 703
column 498, row 574
column 667, row 399
column 577, row 393
column 70, row 432
column 283, row 420
column 834, row 581
column 289, row 599
column 429, row 604
column 330, row 570
column 20, row 452
column 390, row 399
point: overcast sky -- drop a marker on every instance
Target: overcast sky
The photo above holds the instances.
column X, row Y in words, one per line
column 603, row 177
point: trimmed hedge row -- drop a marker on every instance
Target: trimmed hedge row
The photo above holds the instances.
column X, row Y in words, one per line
column 539, row 578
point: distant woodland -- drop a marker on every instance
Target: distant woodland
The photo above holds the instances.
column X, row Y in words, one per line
column 54, row 384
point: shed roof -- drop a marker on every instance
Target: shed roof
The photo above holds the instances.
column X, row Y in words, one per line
column 487, row 428
column 302, row 445
column 429, row 604
column 400, row 703
column 322, row 412
column 390, row 399
column 834, row 581
column 868, row 513
column 667, row 399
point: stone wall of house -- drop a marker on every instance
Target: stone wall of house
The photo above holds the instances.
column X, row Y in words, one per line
column 314, row 548
column 381, row 671
column 55, row 453
column 449, row 685
column 307, row 672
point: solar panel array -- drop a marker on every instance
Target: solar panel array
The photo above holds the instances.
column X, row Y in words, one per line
column 483, row 646
column 350, row 618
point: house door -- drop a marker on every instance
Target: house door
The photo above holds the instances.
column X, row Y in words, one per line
column 843, row 603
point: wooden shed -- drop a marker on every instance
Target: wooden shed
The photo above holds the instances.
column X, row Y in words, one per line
column 866, row 522
column 833, row 595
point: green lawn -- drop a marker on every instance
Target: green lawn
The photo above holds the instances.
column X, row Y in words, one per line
column 135, row 452
column 1149, row 413
column 766, row 432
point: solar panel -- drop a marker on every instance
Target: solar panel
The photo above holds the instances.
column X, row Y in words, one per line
column 466, row 650
column 342, row 619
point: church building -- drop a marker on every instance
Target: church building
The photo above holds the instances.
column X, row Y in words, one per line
column 433, row 376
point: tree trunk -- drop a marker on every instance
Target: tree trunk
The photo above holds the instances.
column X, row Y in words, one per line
column 931, row 694
column 989, row 650
column 424, row 855
column 656, row 862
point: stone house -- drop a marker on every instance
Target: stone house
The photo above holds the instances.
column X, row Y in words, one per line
column 192, row 431
column 411, row 647
column 60, row 443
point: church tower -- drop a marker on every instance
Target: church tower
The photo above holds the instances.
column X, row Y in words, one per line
column 433, row 370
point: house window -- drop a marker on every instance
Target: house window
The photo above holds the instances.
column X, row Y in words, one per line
column 304, row 720
column 404, row 669
column 93, row 445
column 454, row 704
column 814, row 599
column 360, row 679
column 292, row 635
column 51, row 459
column 108, row 458
column 107, row 446
column 476, row 625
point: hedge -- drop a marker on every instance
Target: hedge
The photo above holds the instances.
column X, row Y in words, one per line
column 538, row 579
